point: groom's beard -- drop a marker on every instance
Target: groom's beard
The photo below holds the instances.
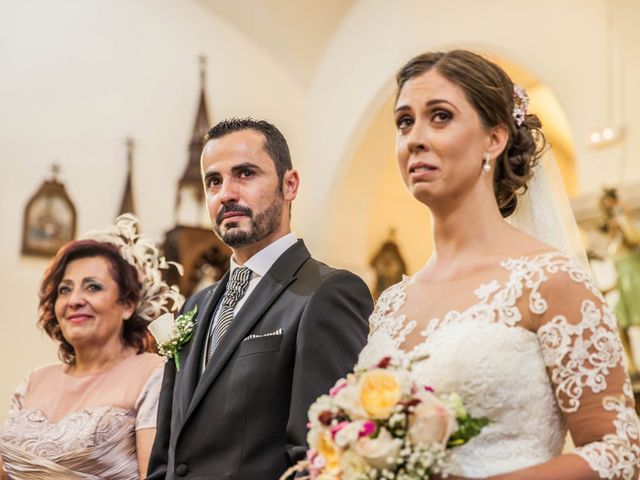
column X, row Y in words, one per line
column 261, row 225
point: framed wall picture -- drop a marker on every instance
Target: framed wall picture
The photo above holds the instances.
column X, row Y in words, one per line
column 388, row 264
column 49, row 219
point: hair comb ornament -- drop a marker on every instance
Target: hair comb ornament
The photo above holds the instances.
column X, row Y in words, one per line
column 156, row 296
column 520, row 104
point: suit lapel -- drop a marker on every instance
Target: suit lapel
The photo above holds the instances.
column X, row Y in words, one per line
column 277, row 279
column 191, row 372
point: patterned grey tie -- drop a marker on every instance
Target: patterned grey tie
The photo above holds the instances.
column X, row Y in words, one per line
column 236, row 288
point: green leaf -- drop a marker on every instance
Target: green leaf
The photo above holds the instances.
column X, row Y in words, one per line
column 176, row 358
column 468, row 427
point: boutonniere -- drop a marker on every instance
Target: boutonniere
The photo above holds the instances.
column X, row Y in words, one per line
column 171, row 335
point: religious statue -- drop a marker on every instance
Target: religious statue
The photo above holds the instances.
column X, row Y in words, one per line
column 624, row 249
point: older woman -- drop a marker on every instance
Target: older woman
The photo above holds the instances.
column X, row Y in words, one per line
column 93, row 416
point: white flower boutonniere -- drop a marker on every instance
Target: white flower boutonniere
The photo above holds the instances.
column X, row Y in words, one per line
column 171, row 335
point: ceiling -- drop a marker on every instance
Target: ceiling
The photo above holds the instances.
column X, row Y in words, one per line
column 294, row 32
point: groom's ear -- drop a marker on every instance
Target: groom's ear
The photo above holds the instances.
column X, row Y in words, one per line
column 498, row 138
column 290, row 184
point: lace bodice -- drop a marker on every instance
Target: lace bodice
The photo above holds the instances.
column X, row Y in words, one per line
column 530, row 344
column 81, row 427
column 32, row 431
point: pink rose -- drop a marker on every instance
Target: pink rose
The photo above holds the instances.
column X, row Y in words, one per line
column 431, row 421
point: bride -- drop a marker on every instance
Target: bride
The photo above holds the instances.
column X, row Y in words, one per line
column 511, row 323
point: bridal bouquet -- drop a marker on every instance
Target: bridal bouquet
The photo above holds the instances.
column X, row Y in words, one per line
column 383, row 422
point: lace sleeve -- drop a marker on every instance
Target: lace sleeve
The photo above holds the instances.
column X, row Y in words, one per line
column 584, row 357
column 384, row 318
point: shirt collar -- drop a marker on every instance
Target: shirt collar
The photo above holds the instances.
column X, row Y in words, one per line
column 261, row 262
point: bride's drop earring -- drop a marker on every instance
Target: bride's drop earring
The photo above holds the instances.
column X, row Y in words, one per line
column 486, row 166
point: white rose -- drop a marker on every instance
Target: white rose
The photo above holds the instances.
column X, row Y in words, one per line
column 352, row 465
column 348, row 399
column 378, row 347
column 313, row 436
column 379, row 452
column 163, row 328
column 348, row 434
column 431, row 421
column 322, row 404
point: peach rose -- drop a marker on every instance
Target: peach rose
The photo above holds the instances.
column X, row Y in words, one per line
column 379, row 392
column 431, row 421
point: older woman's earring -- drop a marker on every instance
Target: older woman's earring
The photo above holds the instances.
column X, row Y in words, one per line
column 486, row 166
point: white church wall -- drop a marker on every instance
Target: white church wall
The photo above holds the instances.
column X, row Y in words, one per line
column 80, row 76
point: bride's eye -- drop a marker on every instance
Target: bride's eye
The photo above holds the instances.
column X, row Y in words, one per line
column 404, row 122
column 441, row 116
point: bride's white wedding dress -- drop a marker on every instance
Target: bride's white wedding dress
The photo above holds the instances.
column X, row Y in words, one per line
column 529, row 343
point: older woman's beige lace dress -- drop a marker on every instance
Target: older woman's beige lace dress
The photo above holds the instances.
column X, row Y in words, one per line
column 66, row 427
column 529, row 343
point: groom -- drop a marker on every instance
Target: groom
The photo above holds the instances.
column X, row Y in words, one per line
column 275, row 333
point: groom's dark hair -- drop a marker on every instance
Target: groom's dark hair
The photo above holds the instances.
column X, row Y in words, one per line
column 274, row 142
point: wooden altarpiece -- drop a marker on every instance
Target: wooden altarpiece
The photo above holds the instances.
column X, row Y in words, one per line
column 191, row 242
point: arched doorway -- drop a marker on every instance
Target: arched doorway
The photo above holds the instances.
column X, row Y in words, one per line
column 369, row 199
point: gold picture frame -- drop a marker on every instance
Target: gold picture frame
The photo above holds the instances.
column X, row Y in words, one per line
column 49, row 219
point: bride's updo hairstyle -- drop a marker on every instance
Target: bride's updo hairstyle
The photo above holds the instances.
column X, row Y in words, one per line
column 491, row 93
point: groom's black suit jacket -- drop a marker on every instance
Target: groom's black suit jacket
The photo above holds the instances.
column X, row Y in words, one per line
column 245, row 418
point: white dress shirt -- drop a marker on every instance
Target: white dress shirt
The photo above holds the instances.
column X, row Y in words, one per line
column 259, row 264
